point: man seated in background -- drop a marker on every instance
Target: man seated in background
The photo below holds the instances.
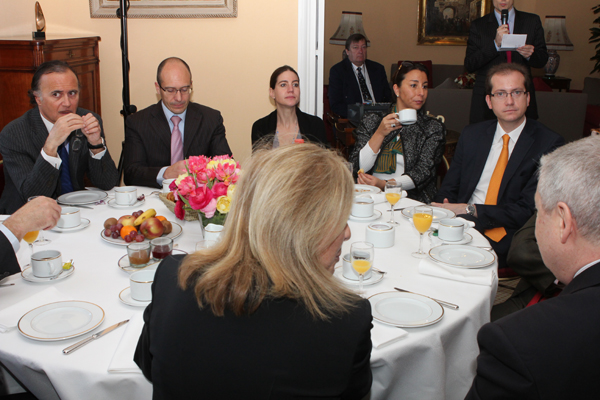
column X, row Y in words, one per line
column 551, row 350
column 492, row 179
column 159, row 138
column 356, row 79
column 49, row 149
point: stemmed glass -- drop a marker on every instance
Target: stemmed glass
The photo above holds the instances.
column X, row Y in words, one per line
column 41, row 240
column 361, row 257
column 30, row 238
column 422, row 218
column 393, row 193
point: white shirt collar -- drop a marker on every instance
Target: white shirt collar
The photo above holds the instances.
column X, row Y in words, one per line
column 514, row 135
column 169, row 113
column 49, row 125
column 585, row 267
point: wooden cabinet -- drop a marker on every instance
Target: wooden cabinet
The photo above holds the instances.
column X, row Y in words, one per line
column 19, row 58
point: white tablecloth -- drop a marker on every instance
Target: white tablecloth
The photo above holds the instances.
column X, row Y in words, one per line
column 435, row 362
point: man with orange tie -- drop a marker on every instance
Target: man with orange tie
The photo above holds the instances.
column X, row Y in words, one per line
column 492, row 179
column 159, row 138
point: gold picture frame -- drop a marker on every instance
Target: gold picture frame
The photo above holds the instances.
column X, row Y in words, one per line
column 166, row 8
column 447, row 23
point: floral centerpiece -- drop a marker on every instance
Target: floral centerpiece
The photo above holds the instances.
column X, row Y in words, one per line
column 206, row 187
column 465, row 81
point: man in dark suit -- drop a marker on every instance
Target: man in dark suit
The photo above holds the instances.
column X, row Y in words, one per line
column 550, row 350
column 356, row 79
column 48, row 150
column 492, row 178
column 485, row 38
column 159, row 138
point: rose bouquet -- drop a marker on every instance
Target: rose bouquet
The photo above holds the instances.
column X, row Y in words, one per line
column 206, row 187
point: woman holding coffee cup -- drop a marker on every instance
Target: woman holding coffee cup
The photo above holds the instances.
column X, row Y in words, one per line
column 287, row 123
column 406, row 145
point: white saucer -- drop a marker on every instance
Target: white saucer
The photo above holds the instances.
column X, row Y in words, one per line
column 125, row 266
column 376, row 277
column 465, row 239
column 376, row 215
column 84, row 224
column 113, row 203
column 27, row 274
column 125, row 297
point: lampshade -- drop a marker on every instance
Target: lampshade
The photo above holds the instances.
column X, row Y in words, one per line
column 555, row 28
column 350, row 24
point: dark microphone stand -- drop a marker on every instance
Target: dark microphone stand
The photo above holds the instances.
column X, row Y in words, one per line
column 128, row 109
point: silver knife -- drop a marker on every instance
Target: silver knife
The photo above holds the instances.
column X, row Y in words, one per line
column 444, row 303
column 76, row 205
column 95, row 336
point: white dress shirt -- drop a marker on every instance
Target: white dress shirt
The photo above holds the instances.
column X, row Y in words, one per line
column 11, row 237
column 169, row 114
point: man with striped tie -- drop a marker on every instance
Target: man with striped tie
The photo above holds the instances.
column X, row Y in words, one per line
column 159, row 138
column 492, row 179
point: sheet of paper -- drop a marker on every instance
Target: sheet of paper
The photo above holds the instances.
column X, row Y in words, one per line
column 511, row 42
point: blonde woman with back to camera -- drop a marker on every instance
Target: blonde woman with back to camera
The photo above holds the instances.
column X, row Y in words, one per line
column 259, row 315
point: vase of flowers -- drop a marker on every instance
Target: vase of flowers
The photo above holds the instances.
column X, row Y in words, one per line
column 206, row 187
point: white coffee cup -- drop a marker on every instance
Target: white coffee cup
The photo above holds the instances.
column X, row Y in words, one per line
column 362, row 207
column 213, row 232
column 70, row 217
column 166, row 184
column 125, row 195
column 141, row 285
column 408, row 116
column 46, row 263
column 381, row 234
column 350, row 273
column 453, row 229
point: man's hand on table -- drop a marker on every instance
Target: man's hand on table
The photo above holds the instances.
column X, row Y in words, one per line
column 175, row 170
column 456, row 208
column 40, row 213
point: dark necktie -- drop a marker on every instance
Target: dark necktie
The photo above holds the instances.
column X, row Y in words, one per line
column 366, row 95
column 65, row 176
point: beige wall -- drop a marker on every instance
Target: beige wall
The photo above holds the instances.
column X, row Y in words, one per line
column 231, row 58
column 392, row 29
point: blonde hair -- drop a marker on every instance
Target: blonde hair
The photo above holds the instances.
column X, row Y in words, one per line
column 289, row 206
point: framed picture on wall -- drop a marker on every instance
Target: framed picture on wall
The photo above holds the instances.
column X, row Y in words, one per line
column 166, row 9
column 447, row 22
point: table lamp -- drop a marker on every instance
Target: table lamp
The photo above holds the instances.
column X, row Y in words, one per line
column 555, row 29
column 350, row 24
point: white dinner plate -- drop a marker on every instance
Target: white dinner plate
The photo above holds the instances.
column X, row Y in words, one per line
column 175, row 233
column 125, row 266
column 375, row 277
column 465, row 239
column 438, row 213
column 405, row 310
column 82, row 197
column 365, row 189
column 113, row 203
column 27, row 274
column 61, row 320
column 458, row 255
column 84, row 224
column 376, row 215
column 125, row 297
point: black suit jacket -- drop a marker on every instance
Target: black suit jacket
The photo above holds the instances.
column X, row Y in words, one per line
column 546, row 351
column 9, row 264
column 28, row 174
column 482, row 55
column 313, row 128
column 148, row 140
column 515, row 203
column 344, row 89
column 278, row 352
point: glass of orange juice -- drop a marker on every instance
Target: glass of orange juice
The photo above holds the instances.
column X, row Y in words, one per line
column 41, row 240
column 30, row 238
column 393, row 193
column 422, row 217
column 361, row 257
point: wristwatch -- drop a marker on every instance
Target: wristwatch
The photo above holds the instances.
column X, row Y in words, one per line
column 97, row 146
column 470, row 209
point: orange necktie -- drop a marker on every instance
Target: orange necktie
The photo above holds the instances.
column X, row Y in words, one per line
column 491, row 198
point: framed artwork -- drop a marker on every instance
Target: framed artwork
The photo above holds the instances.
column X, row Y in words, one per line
column 166, row 8
column 447, row 22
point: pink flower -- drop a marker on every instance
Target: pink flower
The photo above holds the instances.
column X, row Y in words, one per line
column 197, row 164
column 200, row 197
column 172, row 186
column 202, row 177
column 179, row 211
column 219, row 189
column 186, row 186
column 210, row 208
column 225, row 172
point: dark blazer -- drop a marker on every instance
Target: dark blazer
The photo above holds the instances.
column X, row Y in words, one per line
column 28, row 174
column 482, row 54
column 148, row 140
column 515, row 203
column 313, row 128
column 9, row 264
column 278, row 352
column 546, row 351
column 344, row 89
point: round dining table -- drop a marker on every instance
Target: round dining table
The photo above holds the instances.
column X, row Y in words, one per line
column 430, row 362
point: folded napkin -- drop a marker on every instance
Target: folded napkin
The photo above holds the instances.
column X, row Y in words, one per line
column 10, row 316
column 122, row 361
column 380, row 197
column 485, row 277
column 382, row 335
